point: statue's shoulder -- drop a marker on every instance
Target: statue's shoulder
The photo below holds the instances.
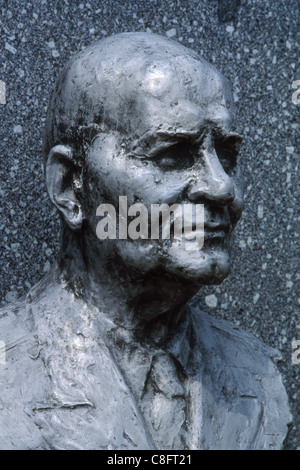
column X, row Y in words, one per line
column 237, row 346
column 17, row 376
column 14, row 328
column 23, row 374
column 245, row 371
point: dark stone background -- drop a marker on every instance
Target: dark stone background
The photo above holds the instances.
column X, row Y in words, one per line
column 255, row 43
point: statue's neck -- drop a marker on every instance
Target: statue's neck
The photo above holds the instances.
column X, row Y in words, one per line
column 153, row 304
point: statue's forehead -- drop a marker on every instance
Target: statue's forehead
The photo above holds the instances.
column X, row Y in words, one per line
column 179, row 94
column 163, row 75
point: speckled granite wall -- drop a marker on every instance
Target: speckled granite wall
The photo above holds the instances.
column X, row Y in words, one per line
column 255, row 43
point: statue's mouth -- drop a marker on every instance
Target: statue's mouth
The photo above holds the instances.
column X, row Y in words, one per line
column 217, row 227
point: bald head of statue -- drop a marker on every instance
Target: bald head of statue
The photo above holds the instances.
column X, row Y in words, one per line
column 114, row 82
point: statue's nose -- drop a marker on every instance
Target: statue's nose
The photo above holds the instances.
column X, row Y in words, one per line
column 211, row 181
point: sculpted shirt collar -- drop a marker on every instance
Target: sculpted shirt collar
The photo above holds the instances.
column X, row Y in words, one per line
column 135, row 358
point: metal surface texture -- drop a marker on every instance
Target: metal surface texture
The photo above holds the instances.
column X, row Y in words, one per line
column 106, row 352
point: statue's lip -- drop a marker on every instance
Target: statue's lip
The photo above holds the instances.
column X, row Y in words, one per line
column 216, row 227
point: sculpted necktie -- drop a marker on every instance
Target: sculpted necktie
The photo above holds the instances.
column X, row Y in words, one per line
column 156, row 378
column 164, row 404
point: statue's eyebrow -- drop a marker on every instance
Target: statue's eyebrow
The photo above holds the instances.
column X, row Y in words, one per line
column 223, row 135
column 182, row 134
column 148, row 146
column 228, row 141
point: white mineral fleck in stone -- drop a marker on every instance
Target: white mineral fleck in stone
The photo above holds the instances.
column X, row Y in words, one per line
column 18, row 129
column 171, row 33
column 10, row 48
column 242, row 244
column 260, row 212
column 229, row 29
column 2, row 92
column 47, row 266
column 51, row 44
column 211, row 300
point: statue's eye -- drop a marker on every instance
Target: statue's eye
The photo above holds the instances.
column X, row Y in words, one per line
column 227, row 151
column 178, row 157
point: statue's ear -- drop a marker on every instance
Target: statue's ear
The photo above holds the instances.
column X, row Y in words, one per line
column 61, row 175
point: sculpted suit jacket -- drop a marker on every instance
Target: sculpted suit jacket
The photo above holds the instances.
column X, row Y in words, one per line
column 61, row 386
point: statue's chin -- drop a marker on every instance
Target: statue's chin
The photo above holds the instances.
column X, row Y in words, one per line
column 209, row 265
column 200, row 268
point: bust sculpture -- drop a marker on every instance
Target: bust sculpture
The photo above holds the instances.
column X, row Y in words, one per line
column 106, row 352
